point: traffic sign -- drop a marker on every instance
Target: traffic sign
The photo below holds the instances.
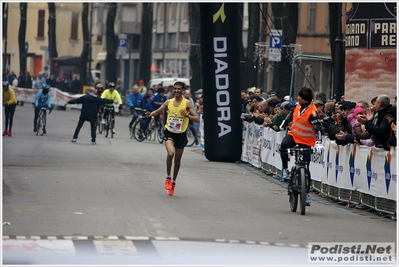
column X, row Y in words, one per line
column 122, row 44
column 276, row 43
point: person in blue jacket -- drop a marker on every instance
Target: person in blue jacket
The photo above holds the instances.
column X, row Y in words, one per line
column 42, row 99
column 155, row 102
column 135, row 100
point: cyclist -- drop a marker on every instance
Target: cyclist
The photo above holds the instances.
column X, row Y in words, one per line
column 155, row 101
column 9, row 103
column 179, row 112
column 112, row 94
column 135, row 100
column 306, row 131
column 42, row 99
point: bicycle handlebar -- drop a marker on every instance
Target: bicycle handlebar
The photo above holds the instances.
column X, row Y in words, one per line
column 292, row 151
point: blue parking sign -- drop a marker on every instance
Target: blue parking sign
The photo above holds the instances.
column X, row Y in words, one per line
column 276, row 40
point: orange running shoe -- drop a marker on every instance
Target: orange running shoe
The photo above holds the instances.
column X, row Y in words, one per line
column 168, row 183
column 9, row 133
column 5, row 133
column 172, row 190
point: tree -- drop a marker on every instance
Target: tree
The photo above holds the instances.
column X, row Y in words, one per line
column 52, row 40
column 285, row 18
column 195, row 49
column 112, row 41
column 21, row 37
column 84, row 78
column 146, row 41
column 250, row 74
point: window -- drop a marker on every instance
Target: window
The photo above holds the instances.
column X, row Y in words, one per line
column 161, row 11
column 74, row 25
column 40, row 25
column 171, row 40
column 184, row 37
column 312, row 18
column 184, row 10
column 159, row 41
column 173, row 11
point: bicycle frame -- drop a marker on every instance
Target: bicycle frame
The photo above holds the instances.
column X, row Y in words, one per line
column 109, row 121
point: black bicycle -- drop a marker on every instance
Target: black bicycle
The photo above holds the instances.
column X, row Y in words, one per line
column 41, row 121
column 100, row 126
column 109, row 122
column 191, row 133
column 299, row 178
column 154, row 131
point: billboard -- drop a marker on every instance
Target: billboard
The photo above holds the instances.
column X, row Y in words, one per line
column 370, row 48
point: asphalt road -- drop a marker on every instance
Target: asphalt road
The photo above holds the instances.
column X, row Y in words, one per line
column 109, row 199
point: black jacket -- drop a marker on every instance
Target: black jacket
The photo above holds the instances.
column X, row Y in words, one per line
column 381, row 131
column 90, row 105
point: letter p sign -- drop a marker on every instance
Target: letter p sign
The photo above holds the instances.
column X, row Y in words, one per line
column 276, row 40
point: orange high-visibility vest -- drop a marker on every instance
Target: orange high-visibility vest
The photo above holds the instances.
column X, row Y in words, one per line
column 301, row 129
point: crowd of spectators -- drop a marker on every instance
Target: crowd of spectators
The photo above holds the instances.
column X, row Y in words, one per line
column 343, row 121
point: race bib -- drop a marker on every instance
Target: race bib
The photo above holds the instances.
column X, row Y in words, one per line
column 175, row 124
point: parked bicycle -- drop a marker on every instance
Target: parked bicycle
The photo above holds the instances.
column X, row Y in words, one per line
column 41, row 121
column 299, row 178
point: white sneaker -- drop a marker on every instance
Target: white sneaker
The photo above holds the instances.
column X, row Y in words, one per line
column 308, row 201
column 103, row 121
column 285, row 175
column 113, row 131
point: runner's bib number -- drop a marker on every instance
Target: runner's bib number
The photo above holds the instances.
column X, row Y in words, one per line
column 175, row 124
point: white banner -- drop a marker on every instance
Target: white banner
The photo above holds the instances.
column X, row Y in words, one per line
column 368, row 170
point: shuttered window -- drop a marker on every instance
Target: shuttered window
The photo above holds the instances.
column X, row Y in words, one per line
column 40, row 24
column 74, row 25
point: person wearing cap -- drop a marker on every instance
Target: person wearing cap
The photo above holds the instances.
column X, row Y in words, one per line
column 42, row 99
column 343, row 131
column 9, row 103
column 391, row 117
column 306, row 131
column 90, row 106
column 376, row 122
column 113, row 95
column 142, row 88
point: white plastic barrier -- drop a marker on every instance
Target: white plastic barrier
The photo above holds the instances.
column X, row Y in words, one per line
column 368, row 170
column 58, row 97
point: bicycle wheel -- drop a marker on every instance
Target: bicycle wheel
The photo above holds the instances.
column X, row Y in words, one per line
column 160, row 128
column 106, row 127
column 302, row 180
column 137, row 132
column 112, row 123
column 292, row 191
column 100, row 126
column 38, row 125
column 190, row 132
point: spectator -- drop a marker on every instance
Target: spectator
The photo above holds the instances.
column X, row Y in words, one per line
column 362, row 136
column 119, row 87
column 40, row 81
column 187, row 95
column 244, row 101
column 376, row 123
column 51, row 81
column 76, row 87
column 340, row 131
column 394, row 102
column 148, row 95
column 320, row 96
column 65, row 84
column 12, row 79
column 391, row 117
column 259, row 93
column 21, row 80
column 28, row 80
column 142, row 88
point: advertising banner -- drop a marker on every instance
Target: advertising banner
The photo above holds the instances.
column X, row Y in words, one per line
column 370, row 47
column 220, row 58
